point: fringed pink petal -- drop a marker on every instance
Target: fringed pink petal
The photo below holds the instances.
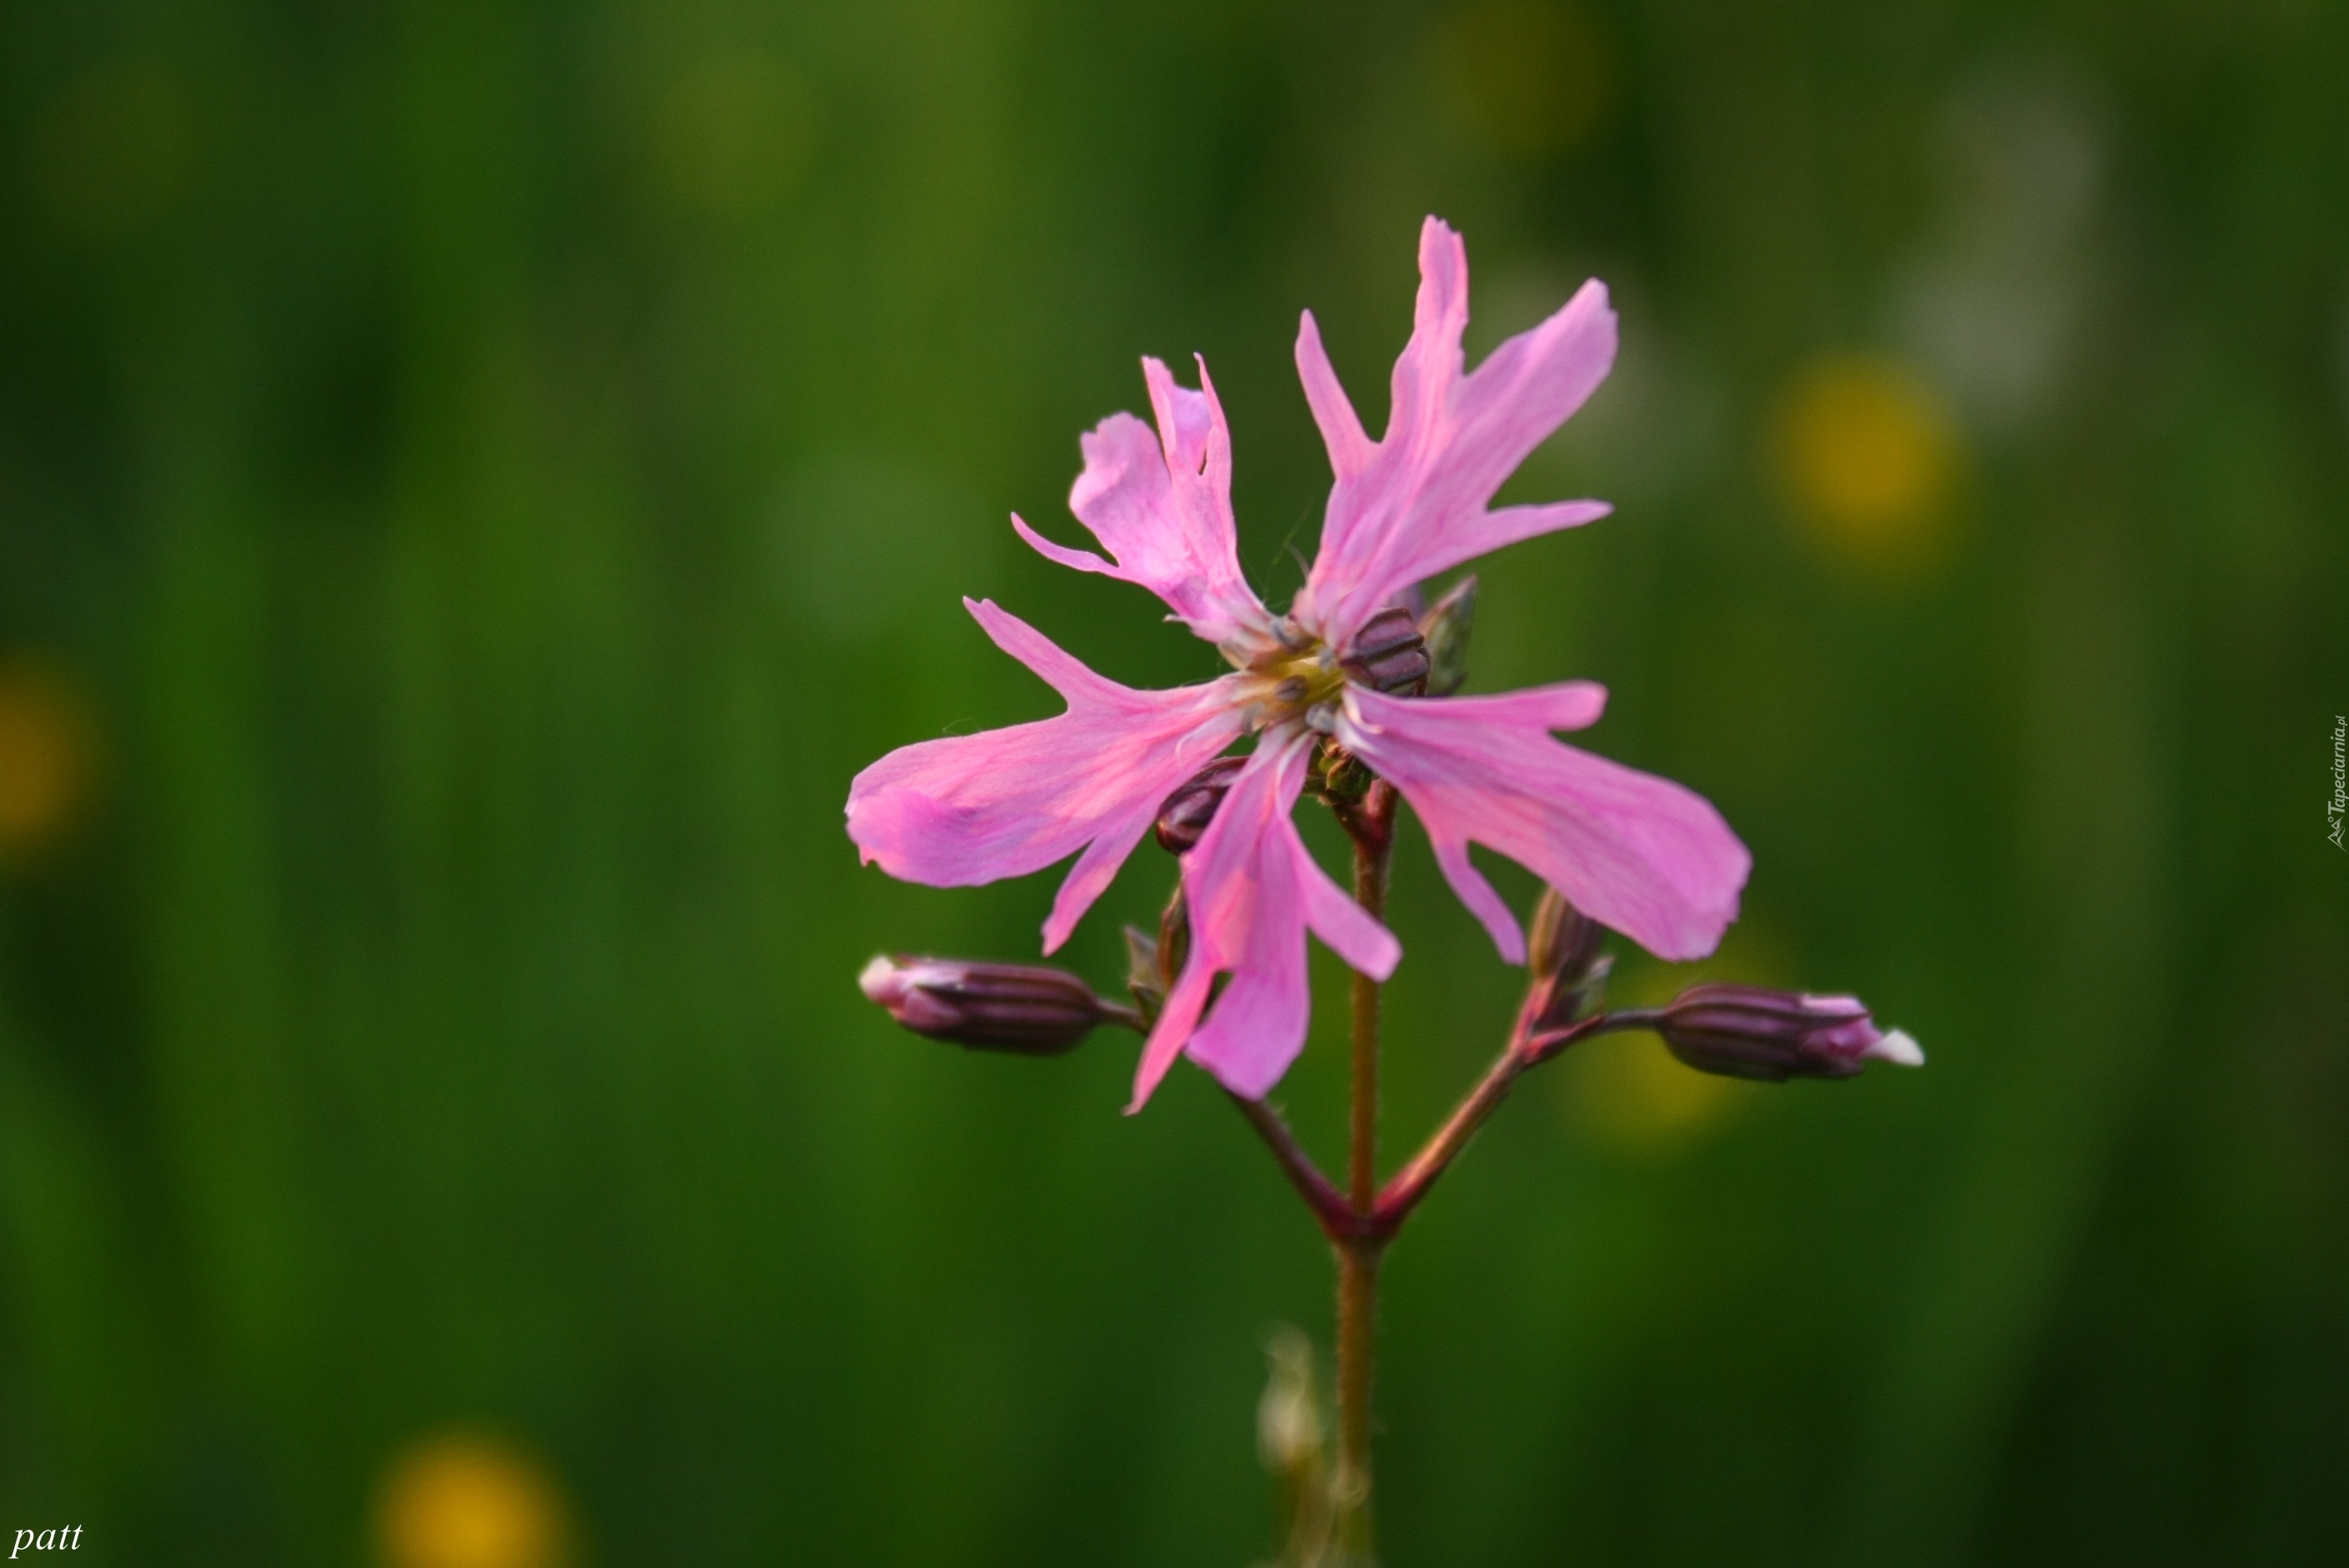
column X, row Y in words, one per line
column 1644, row 855
column 1331, row 911
column 972, row 808
column 1161, row 504
column 1253, row 892
column 1351, row 450
column 1493, row 529
column 1563, row 705
column 1177, row 1021
column 1414, row 503
column 1061, row 554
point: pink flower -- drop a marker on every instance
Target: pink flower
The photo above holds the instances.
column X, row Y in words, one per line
column 1636, row 852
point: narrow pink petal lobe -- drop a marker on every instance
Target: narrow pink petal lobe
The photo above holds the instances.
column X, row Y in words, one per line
column 1644, row 855
column 1414, row 503
column 973, row 808
column 1253, row 892
column 1161, row 504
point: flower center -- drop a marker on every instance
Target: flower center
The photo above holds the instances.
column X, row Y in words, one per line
column 1302, row 676
column 1288, row 682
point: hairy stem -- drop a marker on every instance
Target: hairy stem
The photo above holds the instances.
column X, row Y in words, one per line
column 1364, row 1218
column 1358, row 1305
column 1372, row 826
column 1373, row 834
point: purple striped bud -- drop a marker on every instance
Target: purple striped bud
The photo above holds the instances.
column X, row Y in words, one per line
column 1388, row 654
column 1745, row 1031
column 1015, row 1007
column 1186, row 812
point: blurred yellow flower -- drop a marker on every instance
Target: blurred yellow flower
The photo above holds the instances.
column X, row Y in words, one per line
column 1533, row 76
column 47, row 759
column 1633, row 1095
column 462, row 1499
column 1869, row 456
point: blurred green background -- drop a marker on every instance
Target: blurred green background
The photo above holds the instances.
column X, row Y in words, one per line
column 476, row 479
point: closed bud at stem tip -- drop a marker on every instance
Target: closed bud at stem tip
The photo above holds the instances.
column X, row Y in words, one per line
column 1745, row 1031
column 1014, row 1007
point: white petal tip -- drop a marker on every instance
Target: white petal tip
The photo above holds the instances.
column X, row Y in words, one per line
column 1898, row 1047
column 878, row 980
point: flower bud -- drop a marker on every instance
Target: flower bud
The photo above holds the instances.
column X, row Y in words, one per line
column 1013, row 1007
column 1562, row 949
column 1445, row 626
column 1186, row 812
column 1745, row 1031
column 1142, row 973
column 1172, row 948
column 1388, row 654
column 1564, row 941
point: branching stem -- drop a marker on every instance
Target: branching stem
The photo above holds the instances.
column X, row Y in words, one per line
column 1361, row 1219
column 1527, row 1050
column 1329, row 1206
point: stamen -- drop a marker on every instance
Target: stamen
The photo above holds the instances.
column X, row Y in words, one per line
column 1293, row 684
